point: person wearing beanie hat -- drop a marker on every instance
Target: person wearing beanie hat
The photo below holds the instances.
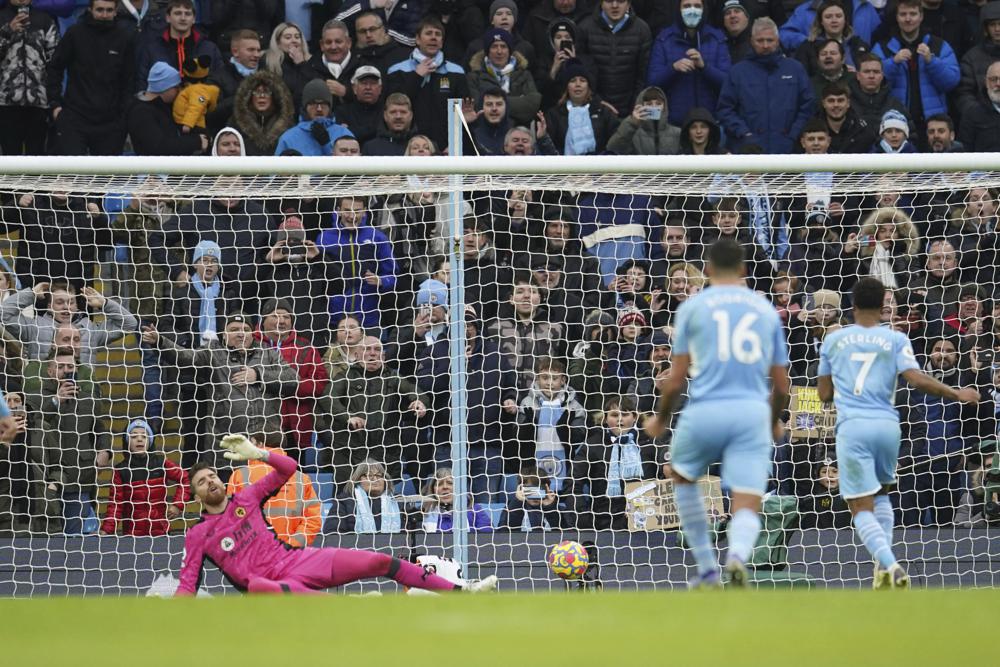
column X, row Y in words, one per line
column 579, row 123
column 317, row 131
column 138, row 500
column 736, row 24
column 150, row 118
column 498, row 66
column 894, row 132
column 197, row 97
column 647, row 131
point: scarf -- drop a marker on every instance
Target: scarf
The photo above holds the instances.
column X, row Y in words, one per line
column 137, row 15
column 579, row 131
column 615, row 27
column 940, row 374
column 418, row 58
column 241, row 69
column 625, row 463
column 364, row 519
column 773, row 239
column 207, row 313
column 336, row 69
column 502, row 75
column 546, row 437
column 886, row 148
column 881, row 266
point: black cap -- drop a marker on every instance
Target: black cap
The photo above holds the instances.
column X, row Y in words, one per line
column 240, row 318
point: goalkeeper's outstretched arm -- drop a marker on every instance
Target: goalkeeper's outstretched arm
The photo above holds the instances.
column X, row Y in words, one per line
column 239, row 448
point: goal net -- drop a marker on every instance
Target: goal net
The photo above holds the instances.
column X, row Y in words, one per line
column 144, row 316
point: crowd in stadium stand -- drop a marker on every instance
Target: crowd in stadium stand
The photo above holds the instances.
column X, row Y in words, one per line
column 322, row 326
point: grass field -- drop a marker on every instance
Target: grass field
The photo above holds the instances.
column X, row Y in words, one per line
column 722, row 629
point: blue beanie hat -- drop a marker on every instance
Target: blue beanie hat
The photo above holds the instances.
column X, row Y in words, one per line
column 892, row 119
column 139, row 423
column 162, row 77
column 432, row 292
column 498, row 35
column 210, row 248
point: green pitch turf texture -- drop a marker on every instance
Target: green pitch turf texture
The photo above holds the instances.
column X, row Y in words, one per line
column 718, row 628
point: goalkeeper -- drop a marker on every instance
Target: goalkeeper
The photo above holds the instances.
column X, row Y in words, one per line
column 233, row 535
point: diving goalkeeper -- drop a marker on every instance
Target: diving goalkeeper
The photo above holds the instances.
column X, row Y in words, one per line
column 233, row 535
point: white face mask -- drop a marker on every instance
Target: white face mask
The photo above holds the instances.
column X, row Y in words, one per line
column 691, row 16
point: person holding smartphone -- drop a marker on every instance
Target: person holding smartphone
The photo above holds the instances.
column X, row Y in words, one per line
column 533, row 505
column 30, row 40
column 647, row 131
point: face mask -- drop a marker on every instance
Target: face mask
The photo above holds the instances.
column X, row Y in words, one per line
column 691, row 16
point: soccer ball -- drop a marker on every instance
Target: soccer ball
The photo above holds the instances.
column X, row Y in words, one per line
column 568, row 560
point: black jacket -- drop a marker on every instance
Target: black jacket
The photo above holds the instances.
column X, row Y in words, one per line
column 261, row 16
column 384, row 56
column 388, row 143
column 319, row 70
column 185, row 308
column 228, row 80
column 871, row 107
column 601, row 119
column 622, row 57
column 980, row 129
column 363, row 120
column 99, row 59
column 153, row 130
column 855, row 136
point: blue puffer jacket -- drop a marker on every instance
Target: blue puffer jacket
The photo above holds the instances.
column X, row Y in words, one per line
column 687, row 90
column 864, row 20
column 300, row 138
column 766, row 100
column 937, row 77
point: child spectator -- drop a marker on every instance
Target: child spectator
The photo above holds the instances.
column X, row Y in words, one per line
column 533, row 504
column 138, row 503
column 628, row 354
column 895, row 134
column 824, row 507
column 437, row 514
column 197, row 98
column 784, row 289
column 367, row 504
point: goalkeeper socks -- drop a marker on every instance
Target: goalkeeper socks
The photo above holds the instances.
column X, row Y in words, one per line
column 885, row 517
column 415, row 576
column 871, row 534
column 742, row 534
column 694, row 523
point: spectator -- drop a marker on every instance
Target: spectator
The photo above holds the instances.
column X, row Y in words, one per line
column 675, row 246
column 527, row 333
column 276, row 330
column 198, row 305
column 485, row 281
column 941, row 135
column 830, row 66
column 627, row 355
column 938, row 284
column 540, row 26
column 293, row 511
column 138, row 501
column 968, row 324
column 766, row 75
column 729, row 222
column 980, row 129
column 502, row 15
column 335, row 64
column 972, row 85
column 647, row 131
column 534, row 504
column 374, row 46
column 972, row 512
column 287, row 56
column 824, row 507
column 689, row 61
column 561, row 49
column 247, row 380
column 521, row 141
column 849, row 133
column 736, row 22
column 244, row 47
column 229, row 17
column 395, row 130
column 820, row 316
column 151, row 125
column 363, row 113
column 346, row 146
column 345, row 348
column 830, row 23
column 437, row 514
column 367, row 503
column 499, row 66
column 619, row 42
column 228, row 143
column 428, row 80
column 262, row 112
column 22, row 501
column 700, row 134
column 317, row 131
column 179, row 43
column 886, row 247
column 97, row 58
column 645, row 388
column 142, row 17
column 362, row 256
column 615, row 454
column 37, row 333
column 871, row 94
column 815, row 255
column 27, row 44
column 785, row 296
column 581, row 123
column 491, row 123
column 403, row 22
column 895, row 133
column 950, row 22
column 864, row 20
column 197, row 98
column 920, row 67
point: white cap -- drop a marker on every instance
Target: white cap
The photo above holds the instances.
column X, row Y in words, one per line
column 366, row 70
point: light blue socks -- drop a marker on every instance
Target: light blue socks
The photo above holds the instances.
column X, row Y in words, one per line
column 694, row 523
column 873, row 537
column 742, row 533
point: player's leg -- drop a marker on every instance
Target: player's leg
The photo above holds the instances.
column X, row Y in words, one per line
column 262, row 585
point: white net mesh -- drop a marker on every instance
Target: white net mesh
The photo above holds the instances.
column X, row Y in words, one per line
column 121, row 303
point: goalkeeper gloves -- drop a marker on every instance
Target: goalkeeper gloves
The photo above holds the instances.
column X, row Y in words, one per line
column 238, row 448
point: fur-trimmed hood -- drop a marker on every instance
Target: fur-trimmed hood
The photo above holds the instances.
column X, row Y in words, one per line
column 259, row 131
column 905, row 229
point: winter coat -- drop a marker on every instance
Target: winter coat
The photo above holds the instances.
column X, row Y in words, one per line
column 980, row 128
column 362, row 120
column 766, row 101
column 621, row 57
column 714, row 146
column 592, row 466
column 602, row 120
column 24, row 57
column 261, row 133
column 523, row 99
column 937, row 77
column 429, row 98
column 535, row 28
column 871, row 107
column 571, row 429
column 306, row 286
column 153, row 130
column 295, row 76
column 64, row 434
column 297, row 410
column 194, row 103
column 522, row 343
column 863, row 17
column 388, row 143
column 904, row 251
column 855, row 135
column 489, row 137
column 228, row 80
column 353, row 253
column 138, row 499
column 687, row 90
column 523, row 50
column 401, row 23
column 132, row 227
column 98, row 61
column 164, row 48
column 181, row 319
column 382, row 56
column 319, row 70
column 975, row 62
column 300, row 138
column 261, row 16
column 646, row 137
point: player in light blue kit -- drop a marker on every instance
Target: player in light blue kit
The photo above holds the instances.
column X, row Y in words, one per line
column 729, row 339
column 858, row 366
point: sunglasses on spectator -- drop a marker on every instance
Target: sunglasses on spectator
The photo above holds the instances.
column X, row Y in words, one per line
column 262, row 93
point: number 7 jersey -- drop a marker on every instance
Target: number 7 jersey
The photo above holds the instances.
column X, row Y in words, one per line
column 734, row 337
column 864, row 363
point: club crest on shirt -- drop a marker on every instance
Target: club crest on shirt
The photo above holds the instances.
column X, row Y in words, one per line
column 445, row 84
column 241, row 512
column 227, row 544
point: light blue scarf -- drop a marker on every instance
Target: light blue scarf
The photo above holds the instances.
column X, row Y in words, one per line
column 240, row 68
column 207, row 314
column 502, row 75
column 438, row 60
column 769, row 230
column 886, row 148
column 625, row 463
column 615, row 27
column 579, row 132
column 364, row 519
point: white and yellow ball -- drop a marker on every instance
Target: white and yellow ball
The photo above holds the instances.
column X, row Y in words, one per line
column 568, row 560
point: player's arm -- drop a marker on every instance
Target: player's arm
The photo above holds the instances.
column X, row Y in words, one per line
column 194, row 558
column 824, row 387
column 779, row 398
column 239, row 448
column 673, row 387
column 925, row 383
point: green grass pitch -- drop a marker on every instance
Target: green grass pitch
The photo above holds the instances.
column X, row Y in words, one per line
column 718, row 628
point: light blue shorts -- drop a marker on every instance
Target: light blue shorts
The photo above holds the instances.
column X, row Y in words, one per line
column 867, row 452
column 737, row 433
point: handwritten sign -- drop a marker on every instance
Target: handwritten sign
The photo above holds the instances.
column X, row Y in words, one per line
column 810, row 417
column 652, row 506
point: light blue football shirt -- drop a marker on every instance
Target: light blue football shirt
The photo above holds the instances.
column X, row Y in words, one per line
column 864, row 363
column 734, row 337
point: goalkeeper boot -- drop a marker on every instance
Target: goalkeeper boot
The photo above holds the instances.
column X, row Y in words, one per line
column 708, row 581
column 485, row 585
column 898, row 577
column 881, row 579
column 737, row 575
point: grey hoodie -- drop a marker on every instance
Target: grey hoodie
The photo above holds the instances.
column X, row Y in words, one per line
column 647, row 137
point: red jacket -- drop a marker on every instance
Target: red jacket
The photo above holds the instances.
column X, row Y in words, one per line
column 297, row 411
column 139, row 496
